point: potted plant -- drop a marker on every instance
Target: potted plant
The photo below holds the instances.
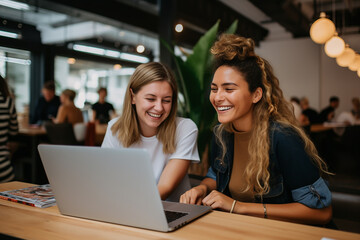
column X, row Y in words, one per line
column 194, row 76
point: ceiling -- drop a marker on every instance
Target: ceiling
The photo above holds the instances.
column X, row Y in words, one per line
column 125, row 23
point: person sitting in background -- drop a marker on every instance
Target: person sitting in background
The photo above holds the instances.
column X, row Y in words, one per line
column 68, row 112
column 355, row 111
column 311, row 114
column 297, row 109
column 9, row 128
column 328, row 114
column 102, row 110
column 262, row 162
column 47, row 105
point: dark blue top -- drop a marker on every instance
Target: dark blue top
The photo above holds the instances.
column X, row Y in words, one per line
column 293, row 176
column 44, row 110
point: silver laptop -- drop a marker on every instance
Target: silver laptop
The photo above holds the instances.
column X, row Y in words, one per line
column 112, row 185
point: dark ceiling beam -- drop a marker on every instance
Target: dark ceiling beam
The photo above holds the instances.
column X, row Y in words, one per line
column 202, row 13
column 117, row 11
column 286, row 14
column 345, row 18
column 30, row 36
column 205, row 13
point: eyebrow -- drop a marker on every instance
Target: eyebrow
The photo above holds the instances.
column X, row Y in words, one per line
column 225, row 84
column 152, row 95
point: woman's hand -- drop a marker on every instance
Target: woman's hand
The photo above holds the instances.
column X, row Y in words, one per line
column 218, row 200
column 194, row 195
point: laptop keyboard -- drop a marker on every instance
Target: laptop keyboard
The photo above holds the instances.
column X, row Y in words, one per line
column 172, row 216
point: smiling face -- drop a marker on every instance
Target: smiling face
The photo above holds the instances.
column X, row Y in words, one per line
column 153, row 105
column 232, row 99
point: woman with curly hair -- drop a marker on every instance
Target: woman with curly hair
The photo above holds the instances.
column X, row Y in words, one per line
column 262, row 162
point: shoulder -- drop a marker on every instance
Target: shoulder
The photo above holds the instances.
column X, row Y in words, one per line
column 109, row 104
column 280, row 132
column 112, row 122
column 327, row 109
column 41, row 100
column 185, row 123
column 56, row 99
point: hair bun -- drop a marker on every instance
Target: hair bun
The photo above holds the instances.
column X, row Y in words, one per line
column 230, row 46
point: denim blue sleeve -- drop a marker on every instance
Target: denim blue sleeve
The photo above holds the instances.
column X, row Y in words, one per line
column 211, row 174
column 316, row 195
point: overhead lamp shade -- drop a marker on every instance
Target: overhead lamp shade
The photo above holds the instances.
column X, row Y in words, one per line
column 322, row 29
column 355, row 65
column 346, row 58
column 335, row 46
column 359, row 72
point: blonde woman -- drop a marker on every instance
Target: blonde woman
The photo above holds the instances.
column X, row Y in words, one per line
column 68, row 112
column 149, row 121
column 263, row 164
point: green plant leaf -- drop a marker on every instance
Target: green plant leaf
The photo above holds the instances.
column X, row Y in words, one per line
column 199, row 58
column 233, row 27
column 181, row 69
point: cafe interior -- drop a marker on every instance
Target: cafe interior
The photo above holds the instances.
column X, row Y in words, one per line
column 85, row 45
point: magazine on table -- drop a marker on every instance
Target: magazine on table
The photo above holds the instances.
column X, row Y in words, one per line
column 37, row 196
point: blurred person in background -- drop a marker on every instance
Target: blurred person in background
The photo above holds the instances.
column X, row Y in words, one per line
column 68, row 112
column 355, row 111
column 102, row 110
column 311, row 114
column 8, row 129
column 328, row 113
column 47, row 105
column 297, row 109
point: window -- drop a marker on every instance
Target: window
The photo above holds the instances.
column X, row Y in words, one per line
column 86, row 77
column 15, row 68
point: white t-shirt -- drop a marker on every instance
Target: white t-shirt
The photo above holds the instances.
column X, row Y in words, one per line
column 186, row 148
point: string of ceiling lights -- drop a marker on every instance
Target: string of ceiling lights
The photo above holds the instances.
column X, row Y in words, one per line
column 323, row 31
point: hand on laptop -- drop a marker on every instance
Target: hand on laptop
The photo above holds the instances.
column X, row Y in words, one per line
column 218, row 200
column 194, row 195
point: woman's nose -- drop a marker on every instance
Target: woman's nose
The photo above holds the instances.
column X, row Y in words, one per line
column 219, row 96
column 158, row 106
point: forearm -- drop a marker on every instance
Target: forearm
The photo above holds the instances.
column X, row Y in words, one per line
column 208, row 184
column 171, row 176
column 291, row 212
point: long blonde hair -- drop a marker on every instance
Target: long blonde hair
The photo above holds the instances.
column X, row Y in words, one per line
column 127, row 126
column 238, row 52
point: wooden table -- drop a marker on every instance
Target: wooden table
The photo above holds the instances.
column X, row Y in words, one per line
column 35, row 223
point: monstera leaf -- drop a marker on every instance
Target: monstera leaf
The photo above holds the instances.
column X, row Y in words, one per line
column 194, row 76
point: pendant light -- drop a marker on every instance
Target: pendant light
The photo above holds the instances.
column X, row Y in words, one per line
column 346, row 58
column 322, row 29
column 355, row 65
column 335, row 46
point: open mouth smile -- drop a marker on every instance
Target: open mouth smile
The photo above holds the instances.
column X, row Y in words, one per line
column 221, row 109
column 154, row 115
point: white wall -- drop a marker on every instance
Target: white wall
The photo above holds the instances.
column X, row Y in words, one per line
column 304, row 69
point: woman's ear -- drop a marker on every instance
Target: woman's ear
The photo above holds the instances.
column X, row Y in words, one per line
column 132, row 96
column 257, row 95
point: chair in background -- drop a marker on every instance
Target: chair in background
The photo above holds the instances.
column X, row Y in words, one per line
column 61, row 133
column 80, row 131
